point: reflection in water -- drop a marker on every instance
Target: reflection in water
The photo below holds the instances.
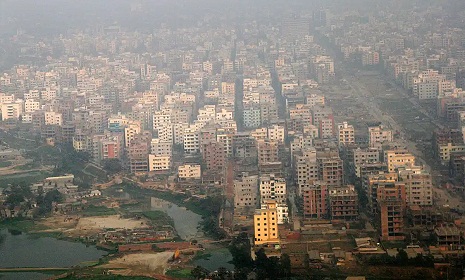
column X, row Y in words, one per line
column 28, row 251
column 185, row 221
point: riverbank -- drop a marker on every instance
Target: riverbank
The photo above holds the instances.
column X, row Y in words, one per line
column 209, row 207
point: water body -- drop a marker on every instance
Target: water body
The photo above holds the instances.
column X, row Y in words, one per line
column 185, row 221
column 218, row 258
column 23, row 250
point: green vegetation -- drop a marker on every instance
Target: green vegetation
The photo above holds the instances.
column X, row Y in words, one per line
column 93, row 210
column 209, row 207
column 201, row 256
column 103, row 277
column 5, row 164
column 266, row 268
column 158, row 218
column 112, row 166
column 21, row 225
column 27, row 178
column 180, row 273
column 401, row 259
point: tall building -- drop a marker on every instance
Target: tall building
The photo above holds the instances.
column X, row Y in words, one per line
column 378, row 135
column 246, row 192
column 396, row 159
column 391, row 201
column 345, row 134
column 272, row 188
column 268, row 151
column 343, row 203
column 295, row 27
column 315, row 200
column 266, row 224
column 418, row 186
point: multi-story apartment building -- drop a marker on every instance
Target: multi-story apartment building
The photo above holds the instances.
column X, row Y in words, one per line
column 268, row 151
column 418, row 186
column 330, row 171
column 373, row 183
column 378, row 135
column 398, row 159
column 272, row 188
column 343, row 203
column 315, row 200
column 266, row 224
column 11, row 111
column 391, row 202
column 53, row 118
column 159, row 162
column 345, row 134
column 189, row 171
column 246, row 192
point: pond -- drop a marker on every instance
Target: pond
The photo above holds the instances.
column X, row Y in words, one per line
column 215, row 258
column 24, row 250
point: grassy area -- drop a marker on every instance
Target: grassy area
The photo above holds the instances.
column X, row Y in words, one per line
column 26, row 178
column 202, row 256
column 5, row 164
column 180, row 273
column 92, row 210
column 103, row 277
column 21, row 225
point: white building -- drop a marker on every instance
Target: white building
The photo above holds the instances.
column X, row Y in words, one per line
column 272, row 188
column 11, row 111
column 345, row 134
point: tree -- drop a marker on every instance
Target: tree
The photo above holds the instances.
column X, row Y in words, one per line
column 285, row 266
column 199, row 272
column 261, row 263
column 112, row 165
column 240, row 250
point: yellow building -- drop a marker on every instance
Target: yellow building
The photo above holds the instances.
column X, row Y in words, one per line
column 266, row 224
column 398, row 158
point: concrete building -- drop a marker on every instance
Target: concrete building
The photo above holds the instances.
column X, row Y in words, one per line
column 11, row 111
column 361, row 156
column 246, row 192
column 306, row 169
column 315, row 200
column 160, row 148
column 189, row 171
column 418, row 186
column 283, row 213
column 53, row 118
column 374, row 182
column 268, row 151
column 396, row 159
column 378, row 135
column 330, row 170
column 159, row 162
column 345, row 134
column 130, row 131
column 266, row 224
column 391, row 202
column 273, row 188
column 343, row 203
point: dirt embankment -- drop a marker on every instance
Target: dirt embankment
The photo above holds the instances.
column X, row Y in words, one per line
column 146, row 264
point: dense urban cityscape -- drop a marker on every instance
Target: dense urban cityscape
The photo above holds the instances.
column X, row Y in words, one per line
column 232, row 139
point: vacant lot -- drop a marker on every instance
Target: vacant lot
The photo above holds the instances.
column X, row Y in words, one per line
column 92, row 223
column 145, row 264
